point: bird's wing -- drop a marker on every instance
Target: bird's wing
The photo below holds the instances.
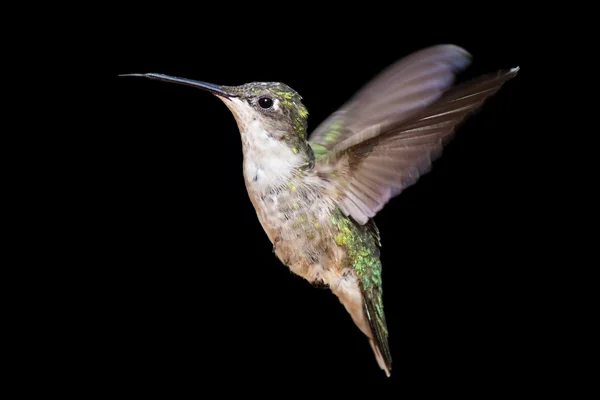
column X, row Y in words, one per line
column 372, row 164
column 397, row 93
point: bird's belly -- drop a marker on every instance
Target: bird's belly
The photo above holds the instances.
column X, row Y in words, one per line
column 317, row 262
column 302, row 236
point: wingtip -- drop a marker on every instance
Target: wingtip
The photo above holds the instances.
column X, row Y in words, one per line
column 455, row 47
column 132, row 74
column 507, row 74
column 511, row 73
column 461, row 57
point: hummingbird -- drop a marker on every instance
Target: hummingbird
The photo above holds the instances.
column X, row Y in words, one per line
column 316, row 194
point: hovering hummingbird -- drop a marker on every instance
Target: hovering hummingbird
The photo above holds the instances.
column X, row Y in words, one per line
column 316, row 195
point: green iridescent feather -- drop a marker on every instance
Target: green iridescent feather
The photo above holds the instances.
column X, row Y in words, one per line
column 361, row 243
column 333, row 131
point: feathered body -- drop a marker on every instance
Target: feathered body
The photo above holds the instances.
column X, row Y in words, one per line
column 296, row 205
column 316, row 195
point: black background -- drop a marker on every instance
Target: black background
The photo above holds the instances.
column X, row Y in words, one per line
column 191, row 293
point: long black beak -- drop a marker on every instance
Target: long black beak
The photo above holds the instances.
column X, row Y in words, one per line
column 215, row 89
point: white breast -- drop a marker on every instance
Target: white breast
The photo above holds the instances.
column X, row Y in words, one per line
column 267, row 161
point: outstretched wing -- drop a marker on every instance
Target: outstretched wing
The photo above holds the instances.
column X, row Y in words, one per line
column 371, row 169
column 399, row 92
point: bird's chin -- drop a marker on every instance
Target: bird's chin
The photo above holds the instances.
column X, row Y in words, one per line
column 228, row 102
column 224, row 99
column 241, row 111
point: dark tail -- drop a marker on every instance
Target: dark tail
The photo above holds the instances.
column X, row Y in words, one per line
column 379, row 343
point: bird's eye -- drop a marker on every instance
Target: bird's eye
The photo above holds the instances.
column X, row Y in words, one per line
column 265, row 102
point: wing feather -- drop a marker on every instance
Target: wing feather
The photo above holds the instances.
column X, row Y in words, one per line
column 387, row 162
column 399, row 92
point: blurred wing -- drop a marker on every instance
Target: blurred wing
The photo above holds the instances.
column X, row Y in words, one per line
column 400, row 91
column 379, row 168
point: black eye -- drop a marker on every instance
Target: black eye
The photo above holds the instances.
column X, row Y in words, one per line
column 265, row 102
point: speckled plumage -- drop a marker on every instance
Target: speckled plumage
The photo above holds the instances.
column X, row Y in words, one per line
column 297, row 207
column 315, row 196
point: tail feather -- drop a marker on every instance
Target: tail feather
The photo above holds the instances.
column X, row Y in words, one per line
column 364, row 314
column 379, row 342
column 380, row 360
